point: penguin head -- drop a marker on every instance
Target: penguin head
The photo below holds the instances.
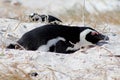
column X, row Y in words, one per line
column 34, row 17
column 90, row 36
column 94, row 37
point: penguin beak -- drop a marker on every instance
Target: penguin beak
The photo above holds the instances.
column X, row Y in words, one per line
column 103, row 37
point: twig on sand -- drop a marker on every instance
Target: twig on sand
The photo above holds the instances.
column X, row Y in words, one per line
column 17, row 26
column 111, row 54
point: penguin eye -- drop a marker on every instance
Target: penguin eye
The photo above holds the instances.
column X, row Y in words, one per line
column 94, row 33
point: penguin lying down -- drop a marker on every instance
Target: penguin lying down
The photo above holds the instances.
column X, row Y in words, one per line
column 58, row 38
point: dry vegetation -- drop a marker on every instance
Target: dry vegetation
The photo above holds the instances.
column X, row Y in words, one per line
column 76, row 15
column 13, row 73
column 73, row 14
column 12, row 11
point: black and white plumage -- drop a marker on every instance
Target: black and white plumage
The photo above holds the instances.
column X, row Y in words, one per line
column 35, row 17
column 59, row 38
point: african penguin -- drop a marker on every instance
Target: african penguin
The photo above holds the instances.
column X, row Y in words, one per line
column 58, row 38
column 35, row 17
